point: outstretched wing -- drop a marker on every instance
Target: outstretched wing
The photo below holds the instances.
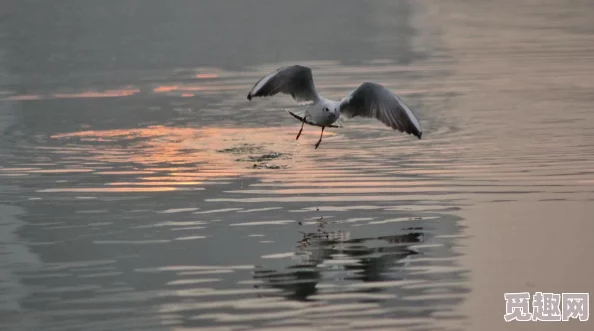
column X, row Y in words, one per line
column 374, row 100
column 295, row 80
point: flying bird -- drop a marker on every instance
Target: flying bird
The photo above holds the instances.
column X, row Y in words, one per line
column 368, row 100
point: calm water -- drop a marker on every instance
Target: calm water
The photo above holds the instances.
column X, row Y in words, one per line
column 134, row 195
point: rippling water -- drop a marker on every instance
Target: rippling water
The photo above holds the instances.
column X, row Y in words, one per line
column 163, row 199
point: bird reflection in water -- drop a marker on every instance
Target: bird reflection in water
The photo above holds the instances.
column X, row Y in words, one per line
column 325, row 252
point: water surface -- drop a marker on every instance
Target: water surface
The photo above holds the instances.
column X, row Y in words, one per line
column 141, row 190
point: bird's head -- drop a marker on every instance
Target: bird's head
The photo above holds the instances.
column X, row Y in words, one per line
column 333, row 109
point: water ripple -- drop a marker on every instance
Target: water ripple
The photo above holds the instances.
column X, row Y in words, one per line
column 174, row 202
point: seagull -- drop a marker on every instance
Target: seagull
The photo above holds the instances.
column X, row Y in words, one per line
column 369, row 100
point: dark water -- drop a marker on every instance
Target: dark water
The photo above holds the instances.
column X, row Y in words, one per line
column 132, row 197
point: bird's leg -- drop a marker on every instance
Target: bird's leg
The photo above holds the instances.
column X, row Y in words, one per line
column 299, row 134
column 321, row 134
column 302, row 123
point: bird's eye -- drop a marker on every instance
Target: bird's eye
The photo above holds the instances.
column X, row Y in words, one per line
column 325, row 109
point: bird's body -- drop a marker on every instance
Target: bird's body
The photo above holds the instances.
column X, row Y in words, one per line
column 324, row 112
column 368, row 100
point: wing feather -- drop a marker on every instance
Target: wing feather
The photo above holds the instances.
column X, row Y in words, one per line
column 375, row 101
column 295, row 80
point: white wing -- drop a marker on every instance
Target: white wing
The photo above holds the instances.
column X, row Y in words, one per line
column 375, row 101
column 294, row 80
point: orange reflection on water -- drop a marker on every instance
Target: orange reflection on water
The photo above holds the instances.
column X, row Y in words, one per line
column 206, row 76
column 162, row 157
column 148, row 132
column 172, row 178
column 98, row 94
column 180, row 156
column 164, row 183
column 85, row 94
column 109, row 189
column 195, row 88
column 22, row 97
column 167, row 88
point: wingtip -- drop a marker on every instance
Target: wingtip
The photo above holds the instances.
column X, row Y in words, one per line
column 417, row 134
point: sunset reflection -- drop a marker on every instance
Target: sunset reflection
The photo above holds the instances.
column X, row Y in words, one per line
column 206, row 76
column 174, row 157
column 22, row 97
column 160, row 157
column 142, row 189
column 98, row 94
column 124, row 92
column 194, row 88
column 109, row 189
